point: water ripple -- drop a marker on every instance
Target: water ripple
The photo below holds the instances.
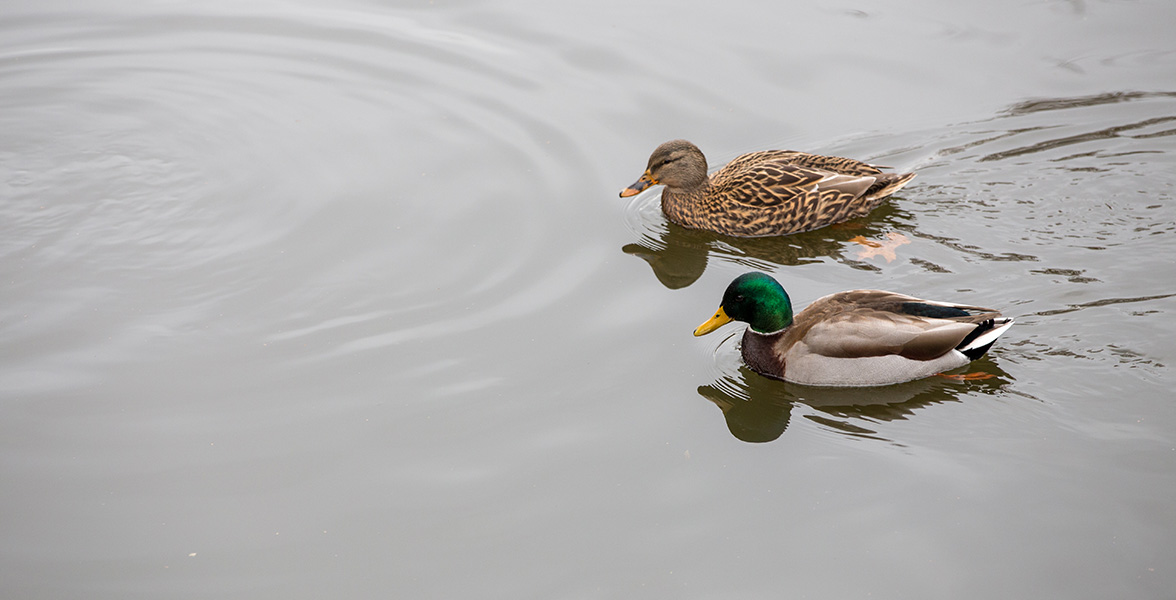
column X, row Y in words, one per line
column 276, row 179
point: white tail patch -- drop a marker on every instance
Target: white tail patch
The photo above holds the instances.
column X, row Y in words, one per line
column 989, row 336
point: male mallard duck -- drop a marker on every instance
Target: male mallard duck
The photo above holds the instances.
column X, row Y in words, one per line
column 854, row 338
column 773, row 192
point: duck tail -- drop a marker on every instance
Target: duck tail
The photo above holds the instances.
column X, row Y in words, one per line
column 981, row 339
column 887, row 184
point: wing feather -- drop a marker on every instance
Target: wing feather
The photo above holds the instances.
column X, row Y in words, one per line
column 863, row 323
column 767, row 179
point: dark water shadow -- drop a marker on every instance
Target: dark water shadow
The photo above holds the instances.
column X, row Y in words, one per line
column 679, row 256
column 1068, row 128
column 758, row 409
column 1036, row 105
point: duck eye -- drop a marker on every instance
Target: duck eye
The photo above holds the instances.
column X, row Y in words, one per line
column 739, row 298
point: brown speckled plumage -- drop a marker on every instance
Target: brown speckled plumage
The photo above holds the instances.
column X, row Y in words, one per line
column 772, row 192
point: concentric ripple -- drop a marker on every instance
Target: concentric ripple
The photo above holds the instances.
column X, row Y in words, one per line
column 224, row 169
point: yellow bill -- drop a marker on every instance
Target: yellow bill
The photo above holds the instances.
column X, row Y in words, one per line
column 713, row 323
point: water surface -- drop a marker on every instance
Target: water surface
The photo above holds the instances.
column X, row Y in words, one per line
column 338, row 301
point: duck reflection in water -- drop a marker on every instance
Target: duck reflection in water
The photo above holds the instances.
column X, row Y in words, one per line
column 678, row 256
column 758, row 409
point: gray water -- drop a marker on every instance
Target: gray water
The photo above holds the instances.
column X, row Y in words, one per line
column 337, row 300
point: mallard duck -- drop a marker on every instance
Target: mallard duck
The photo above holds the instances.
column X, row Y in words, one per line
column 854, row 338
column 773, row 192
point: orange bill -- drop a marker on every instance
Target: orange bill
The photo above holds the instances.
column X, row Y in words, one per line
column 638, row 186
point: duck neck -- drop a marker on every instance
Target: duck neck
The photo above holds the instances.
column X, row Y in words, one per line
column 759, row 352
column 686, row 206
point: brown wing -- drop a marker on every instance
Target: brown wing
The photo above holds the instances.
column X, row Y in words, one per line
column 766, row 194
column 835, row 164
column 865, row 323
column 777, row 192
column 766, row 184
column 774, row 178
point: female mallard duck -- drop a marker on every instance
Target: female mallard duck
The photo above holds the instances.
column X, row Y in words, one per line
column 854, row 338
column 773, row 192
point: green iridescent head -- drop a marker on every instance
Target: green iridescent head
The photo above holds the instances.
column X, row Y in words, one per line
column 756, row 299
